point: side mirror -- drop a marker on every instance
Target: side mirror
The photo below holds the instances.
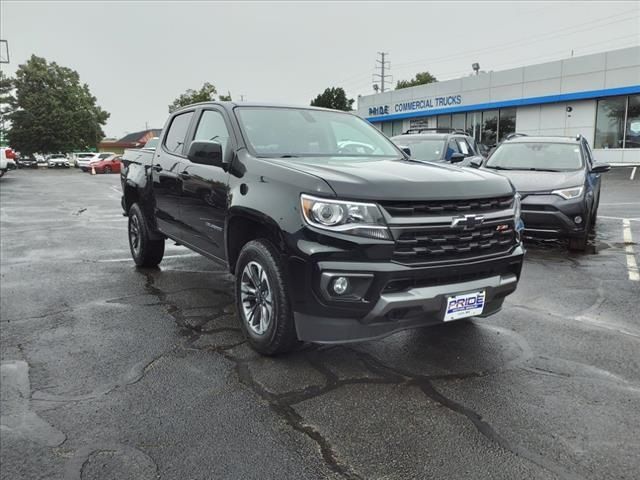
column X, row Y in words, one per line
column 456, row 157
column 406, row 150
column 475, row 162
column 600, row 168
column 206, row 153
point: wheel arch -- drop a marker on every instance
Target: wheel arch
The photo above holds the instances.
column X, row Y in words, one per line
column 244, row 225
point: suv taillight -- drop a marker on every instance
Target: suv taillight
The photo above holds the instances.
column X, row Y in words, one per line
column 10, row 154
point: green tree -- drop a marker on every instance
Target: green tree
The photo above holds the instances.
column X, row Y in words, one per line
column 421, row 78
column 225, row 98
column 53, row 111
column 7, row 104
column 334, row 98
column 205, row 94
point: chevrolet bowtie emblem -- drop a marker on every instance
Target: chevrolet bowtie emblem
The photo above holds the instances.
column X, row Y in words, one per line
column 468, row 222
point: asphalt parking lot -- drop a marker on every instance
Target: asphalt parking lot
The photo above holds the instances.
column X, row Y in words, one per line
column 114, row 373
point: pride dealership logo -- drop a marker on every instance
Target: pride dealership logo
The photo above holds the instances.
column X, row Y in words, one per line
column 417, row 105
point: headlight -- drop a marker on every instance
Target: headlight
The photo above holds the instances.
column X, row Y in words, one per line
column 354, row 218
column 569, row 193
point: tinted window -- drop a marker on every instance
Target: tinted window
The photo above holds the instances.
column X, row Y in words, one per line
column 507, row 122
column 632, row 137
column 444, row 121
column 457, row 121
column 452, row 148
column 489, row 127
column 464, row 146
column 536, row 155
column 610, row 122
column 212, row 128
column 175, row 138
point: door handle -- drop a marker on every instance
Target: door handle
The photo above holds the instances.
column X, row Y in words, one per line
column 185, row 176
column 157, row 167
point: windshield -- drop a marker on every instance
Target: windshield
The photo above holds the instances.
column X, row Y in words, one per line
column 293, row 132
column 428, row 149
column 536, row 156
column 85, row 155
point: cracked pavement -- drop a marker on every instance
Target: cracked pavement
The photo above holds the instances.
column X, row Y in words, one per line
column 109, row 372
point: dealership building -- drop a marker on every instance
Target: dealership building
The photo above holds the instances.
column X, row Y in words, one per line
column 597, row 96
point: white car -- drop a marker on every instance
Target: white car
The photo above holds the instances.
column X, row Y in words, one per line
column 7, row 160
column 58, row 160
column 76, row 157
column 85, row 162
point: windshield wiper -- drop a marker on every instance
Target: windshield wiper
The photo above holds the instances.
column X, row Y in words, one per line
column 543, row 170
column 287, row 156
column 496, row 167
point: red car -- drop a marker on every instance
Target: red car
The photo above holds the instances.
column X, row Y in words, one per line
column 108, row 165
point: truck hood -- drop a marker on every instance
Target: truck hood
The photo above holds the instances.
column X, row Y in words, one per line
column 389, row 179
column 527, row 181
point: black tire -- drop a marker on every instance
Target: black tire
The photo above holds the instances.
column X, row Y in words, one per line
column 146, row 252
column 107, row 169
column 280, row 334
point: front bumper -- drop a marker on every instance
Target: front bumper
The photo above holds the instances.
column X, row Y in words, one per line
column 550, row 216
column 421, row 302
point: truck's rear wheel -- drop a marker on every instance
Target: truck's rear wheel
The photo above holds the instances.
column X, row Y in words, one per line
column 146, row 251
column 262, row 299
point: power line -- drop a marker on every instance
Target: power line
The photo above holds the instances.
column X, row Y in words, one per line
column 553, row 34
column 383, row 65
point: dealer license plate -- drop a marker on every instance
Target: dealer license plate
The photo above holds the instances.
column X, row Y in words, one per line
column 464, row 305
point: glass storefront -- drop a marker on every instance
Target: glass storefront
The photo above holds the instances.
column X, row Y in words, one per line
column 618, row 122
column 489, row 134
column 506, row 122
column 632, row 132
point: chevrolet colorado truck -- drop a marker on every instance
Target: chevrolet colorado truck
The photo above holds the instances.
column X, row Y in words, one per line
column 329, row 241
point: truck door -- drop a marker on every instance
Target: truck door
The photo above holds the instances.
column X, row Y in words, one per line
column 205, row 187
column 168, row 163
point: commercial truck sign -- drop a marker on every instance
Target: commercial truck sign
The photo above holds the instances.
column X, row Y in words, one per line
column 416, row 105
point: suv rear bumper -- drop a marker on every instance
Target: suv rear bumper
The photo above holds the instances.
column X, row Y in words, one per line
column 390, row 312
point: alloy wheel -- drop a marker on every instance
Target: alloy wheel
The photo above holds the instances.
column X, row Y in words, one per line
column 256, row 298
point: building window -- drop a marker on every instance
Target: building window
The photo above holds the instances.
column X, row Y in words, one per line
column 444, row 121
column 610, row 122
column 396, row 128
column 489, row 128
column 419, row 122
column 632, row 133
column 457, row 121
column 387, row 128
column 507, row 123
column 473, row 125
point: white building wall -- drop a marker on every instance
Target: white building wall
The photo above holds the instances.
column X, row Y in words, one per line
column 614, row 69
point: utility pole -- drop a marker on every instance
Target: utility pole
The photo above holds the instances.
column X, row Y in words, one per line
column 384, row 66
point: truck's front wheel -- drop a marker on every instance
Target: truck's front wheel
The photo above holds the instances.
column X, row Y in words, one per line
column 146, row 251
column 262, row 299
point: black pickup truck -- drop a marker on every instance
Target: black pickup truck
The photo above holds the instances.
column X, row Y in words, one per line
column 332, row 232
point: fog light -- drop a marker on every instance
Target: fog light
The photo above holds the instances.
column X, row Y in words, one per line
column 578, row 219
column 340, row 285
